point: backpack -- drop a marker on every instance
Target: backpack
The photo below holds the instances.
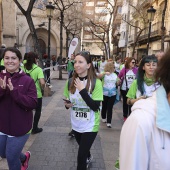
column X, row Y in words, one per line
column 28, row 74
column 92, row 86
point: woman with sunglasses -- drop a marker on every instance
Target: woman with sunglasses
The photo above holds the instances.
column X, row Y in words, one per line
column 127, row 75
column 85, row 106
column 144, row 85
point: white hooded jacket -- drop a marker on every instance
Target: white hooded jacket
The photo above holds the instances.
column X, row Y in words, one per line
column 145, row 136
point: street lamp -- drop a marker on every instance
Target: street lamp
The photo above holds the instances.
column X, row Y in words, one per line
column 118, row 37
column 82, row 46
column 151, row 13
column 49, row 11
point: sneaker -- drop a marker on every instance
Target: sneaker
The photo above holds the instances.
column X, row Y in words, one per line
column 71, row 134
column 25, row 164
column 109, row 125
column 38, row 130
column 89, row 160
column 124, row 119
column 104, row 120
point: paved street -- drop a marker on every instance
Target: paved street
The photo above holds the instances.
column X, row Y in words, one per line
column 53, row 149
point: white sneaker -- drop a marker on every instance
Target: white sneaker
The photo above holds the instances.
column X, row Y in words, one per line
column 104, row 120
column 89, row 160
column 109, row 125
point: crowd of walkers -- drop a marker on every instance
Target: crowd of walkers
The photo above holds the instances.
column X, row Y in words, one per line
column 91, row 91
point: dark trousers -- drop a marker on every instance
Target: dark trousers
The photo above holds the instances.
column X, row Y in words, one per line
column 85, row 141
column 37, row 114
column 126, row 107
column 107, row 106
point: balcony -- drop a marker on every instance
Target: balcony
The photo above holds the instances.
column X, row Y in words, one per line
column 155, row 32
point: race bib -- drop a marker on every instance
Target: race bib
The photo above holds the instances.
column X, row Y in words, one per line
column 82, row 114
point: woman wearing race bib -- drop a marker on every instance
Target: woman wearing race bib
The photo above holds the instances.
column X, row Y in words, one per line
column 110, row 81
column 127, row 76
column 85, row 93
column 144, row 85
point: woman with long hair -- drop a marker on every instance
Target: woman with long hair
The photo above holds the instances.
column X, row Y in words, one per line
column 127, row 75
column 144, row 85
column 31, row 68
column 18, row 98
column 85, row 94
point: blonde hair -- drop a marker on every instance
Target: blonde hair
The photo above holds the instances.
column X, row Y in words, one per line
column 109, row 67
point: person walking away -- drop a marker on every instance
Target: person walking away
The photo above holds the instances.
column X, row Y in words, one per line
column 36, row 73
column 145, row 84
column 102, row 65
column 85, row 106
column 53, row 61
column 117, row 64
column 127, row 75
column 18, row 98
column 110, row 81
column 70, row 65
column 145, row 136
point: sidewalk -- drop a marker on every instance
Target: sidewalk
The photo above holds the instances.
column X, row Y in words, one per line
column 53, row 149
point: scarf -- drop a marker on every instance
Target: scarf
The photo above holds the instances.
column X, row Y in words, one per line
column 149, row 81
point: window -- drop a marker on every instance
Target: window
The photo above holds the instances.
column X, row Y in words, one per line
column 119, row 9
column 87, row 36
column 100, row 3
column 89, row 12
column 89, row 3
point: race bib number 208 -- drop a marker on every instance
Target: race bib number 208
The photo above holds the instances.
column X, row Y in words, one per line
column 82, row 114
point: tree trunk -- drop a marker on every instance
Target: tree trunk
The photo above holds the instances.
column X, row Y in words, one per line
column 34, row 37
column 134, row 46
column 163, row 25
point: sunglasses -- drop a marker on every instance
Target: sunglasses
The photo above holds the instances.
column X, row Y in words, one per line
column 133, row 62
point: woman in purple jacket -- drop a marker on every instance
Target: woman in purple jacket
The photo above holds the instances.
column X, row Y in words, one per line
column 127, row 76
column 18, row 97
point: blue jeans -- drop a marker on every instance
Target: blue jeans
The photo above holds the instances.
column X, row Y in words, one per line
column 11, row 148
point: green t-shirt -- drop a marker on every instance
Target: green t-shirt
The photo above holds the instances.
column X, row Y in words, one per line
column 132, row 90
column 2, row 62
column 70, row 65
column 36, row 73
column 93, row 124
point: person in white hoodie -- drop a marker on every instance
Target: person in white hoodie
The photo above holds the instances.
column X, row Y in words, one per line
column 145, row 136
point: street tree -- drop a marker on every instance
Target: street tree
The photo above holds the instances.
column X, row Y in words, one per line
column 62, row 6
column 139, row 22
column 102, row 29
column 27, row 14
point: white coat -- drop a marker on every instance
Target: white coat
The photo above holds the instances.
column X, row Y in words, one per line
column 145, row 136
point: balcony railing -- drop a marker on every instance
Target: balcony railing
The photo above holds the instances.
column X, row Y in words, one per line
column 155, row 31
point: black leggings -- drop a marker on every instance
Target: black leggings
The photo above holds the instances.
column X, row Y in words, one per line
column 37, row 114
column 85, row 141
column 126, row 107
column 107, row 106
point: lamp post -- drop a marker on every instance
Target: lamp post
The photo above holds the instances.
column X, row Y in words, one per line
column 118, row 37
column 82, row 46
column 49, row 11
column 151, row 13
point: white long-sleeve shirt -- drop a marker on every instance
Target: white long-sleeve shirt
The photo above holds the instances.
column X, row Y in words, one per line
column 145, row 136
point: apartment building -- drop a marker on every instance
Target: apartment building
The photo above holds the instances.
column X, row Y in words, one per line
column 138, row 29
column 96, row 17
